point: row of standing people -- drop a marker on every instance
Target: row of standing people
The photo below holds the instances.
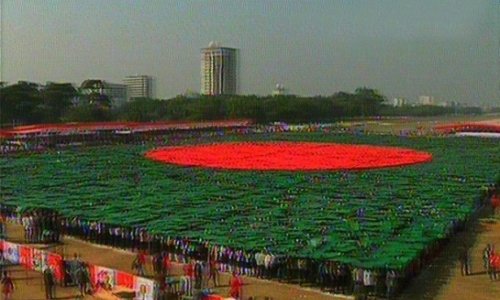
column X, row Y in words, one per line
column 41, row 226
column 262, row 264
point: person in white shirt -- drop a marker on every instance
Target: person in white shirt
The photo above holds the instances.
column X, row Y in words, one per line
column 369, row 281
column 259, row 260
column 267, row 264
column 390, row 282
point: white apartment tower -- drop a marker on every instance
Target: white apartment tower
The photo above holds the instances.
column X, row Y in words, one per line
column 139, row 86
column 219, row 70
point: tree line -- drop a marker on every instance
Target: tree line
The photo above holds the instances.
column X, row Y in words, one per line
column 29, row 103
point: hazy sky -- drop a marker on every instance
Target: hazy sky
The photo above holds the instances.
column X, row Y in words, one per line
column 448, row 49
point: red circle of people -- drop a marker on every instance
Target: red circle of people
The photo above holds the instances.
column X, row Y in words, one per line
column 288, row 156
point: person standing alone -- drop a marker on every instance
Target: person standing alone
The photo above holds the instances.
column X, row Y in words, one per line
column 7, row 286
column 49, row 282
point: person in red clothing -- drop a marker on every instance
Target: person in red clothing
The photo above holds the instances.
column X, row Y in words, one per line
column 166, row 264
column 213, row 272
column 236, row 285
column 189, row 269
column 139, row 263
column 7, row 286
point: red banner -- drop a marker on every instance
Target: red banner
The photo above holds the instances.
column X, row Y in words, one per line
column 26, row 257
column 92, row 273
column 55, row 262
column 125, row 279
column 36, row 259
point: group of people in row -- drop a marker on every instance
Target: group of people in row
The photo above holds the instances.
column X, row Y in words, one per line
column 196, row 276
column 41, row 226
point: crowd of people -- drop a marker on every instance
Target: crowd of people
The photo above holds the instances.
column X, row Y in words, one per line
column 46, row 226
column 77, row 274
column 204, row 258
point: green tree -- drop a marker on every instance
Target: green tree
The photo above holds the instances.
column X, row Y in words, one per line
column 20, row 103
column 57, row 98
column 100, row 100
column 87, row 113
column 369, row 101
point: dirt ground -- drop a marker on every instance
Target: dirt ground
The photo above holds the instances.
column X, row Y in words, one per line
column 442, row 280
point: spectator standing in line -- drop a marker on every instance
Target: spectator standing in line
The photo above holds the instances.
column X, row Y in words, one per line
column 166, row 264
column 158, row 263
column 390, row 282
column 259, row 258
column 138, row 263
column 7, row 286
column 213, row 272
column 198, row 274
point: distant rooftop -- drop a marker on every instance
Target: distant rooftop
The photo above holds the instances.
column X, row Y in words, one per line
column 216, row 45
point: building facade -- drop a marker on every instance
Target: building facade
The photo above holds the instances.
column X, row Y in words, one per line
column 139, row 86
column 399, row 102
column 116, row 92
column 219, row 70
column 426, row 100
column 279, row 90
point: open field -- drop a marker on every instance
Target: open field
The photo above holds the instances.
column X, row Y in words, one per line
column 442, row 190
column 442, row 280
column 397, row 124
column 305, row 214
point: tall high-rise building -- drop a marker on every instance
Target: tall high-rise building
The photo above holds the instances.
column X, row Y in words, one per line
column 219, row 70
column 139, row 86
